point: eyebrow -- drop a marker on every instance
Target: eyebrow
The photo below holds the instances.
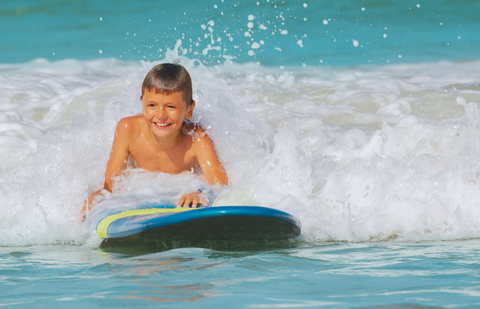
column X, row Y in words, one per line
column 159, row 103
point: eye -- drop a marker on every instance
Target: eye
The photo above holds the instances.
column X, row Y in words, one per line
column 171, row 107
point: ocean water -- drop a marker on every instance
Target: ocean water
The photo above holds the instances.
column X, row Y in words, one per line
column 358, row 117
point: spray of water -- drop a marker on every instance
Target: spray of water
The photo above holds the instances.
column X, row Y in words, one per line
column 357, row 154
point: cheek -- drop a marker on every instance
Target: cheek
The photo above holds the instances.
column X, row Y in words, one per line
column 144, row 109
column 148, row 110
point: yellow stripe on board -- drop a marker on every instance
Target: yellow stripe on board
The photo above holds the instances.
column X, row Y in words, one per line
column 103, row 225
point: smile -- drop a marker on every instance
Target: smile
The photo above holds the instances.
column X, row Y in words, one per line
column 162, row 124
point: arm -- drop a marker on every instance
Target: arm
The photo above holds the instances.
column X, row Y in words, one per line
column 211, row 167
column 208, row 160
column 117, row 161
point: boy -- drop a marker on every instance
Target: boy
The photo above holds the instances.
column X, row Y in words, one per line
column 159, row 140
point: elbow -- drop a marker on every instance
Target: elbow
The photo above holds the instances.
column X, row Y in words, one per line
column 223, row 181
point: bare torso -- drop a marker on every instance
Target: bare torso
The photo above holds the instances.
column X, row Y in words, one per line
column 150, row 156
column 160, row 141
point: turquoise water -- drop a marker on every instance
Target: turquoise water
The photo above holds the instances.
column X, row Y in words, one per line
column 334, row 275
column 360, row 118
column 416, row 30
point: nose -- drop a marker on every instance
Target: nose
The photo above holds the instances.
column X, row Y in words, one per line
column 161, row 114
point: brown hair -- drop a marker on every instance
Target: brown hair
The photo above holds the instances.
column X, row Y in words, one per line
column 167, row 78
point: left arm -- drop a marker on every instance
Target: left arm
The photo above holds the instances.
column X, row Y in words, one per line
column 208, row 160
column 211, row 167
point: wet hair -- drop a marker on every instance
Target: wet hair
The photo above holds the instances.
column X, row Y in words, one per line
column 167, row 78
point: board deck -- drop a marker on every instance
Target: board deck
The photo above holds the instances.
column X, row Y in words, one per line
column 209, row 227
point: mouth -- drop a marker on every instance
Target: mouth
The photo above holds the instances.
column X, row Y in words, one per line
column 162, row 125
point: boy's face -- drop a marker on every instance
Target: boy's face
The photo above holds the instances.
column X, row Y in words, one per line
column 164, row 113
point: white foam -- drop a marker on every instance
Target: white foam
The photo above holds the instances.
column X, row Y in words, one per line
column 357, row 154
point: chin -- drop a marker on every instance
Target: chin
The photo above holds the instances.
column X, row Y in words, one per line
column 165, row 132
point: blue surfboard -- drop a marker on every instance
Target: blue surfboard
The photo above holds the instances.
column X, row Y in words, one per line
column 166, row 226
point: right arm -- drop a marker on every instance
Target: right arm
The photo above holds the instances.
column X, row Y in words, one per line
column 117, row 162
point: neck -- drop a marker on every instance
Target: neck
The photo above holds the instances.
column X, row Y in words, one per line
column 168, row 143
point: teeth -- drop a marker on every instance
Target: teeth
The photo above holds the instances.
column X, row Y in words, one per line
column 161, row 124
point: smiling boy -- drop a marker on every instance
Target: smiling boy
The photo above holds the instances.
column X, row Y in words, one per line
column 159, row 140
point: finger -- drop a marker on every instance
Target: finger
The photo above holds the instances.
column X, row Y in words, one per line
column 203, row 202
column 188, row 200
column 181, row 201
column 196, row 201
column 86, row 206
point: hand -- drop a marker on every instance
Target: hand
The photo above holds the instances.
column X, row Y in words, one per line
column 89, row 203
column 191, row 199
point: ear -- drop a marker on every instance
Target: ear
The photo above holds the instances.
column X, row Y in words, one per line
column 190, row 110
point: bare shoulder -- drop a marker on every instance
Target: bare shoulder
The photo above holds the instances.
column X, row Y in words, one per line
column 128, row 130
column 207, row 157
column 203, row 145
column 199, row 134
column 130, row 124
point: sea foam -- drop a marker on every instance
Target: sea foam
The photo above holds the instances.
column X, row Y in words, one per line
column 357, row 154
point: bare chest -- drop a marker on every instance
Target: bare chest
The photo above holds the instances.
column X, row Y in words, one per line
column 174, row 161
